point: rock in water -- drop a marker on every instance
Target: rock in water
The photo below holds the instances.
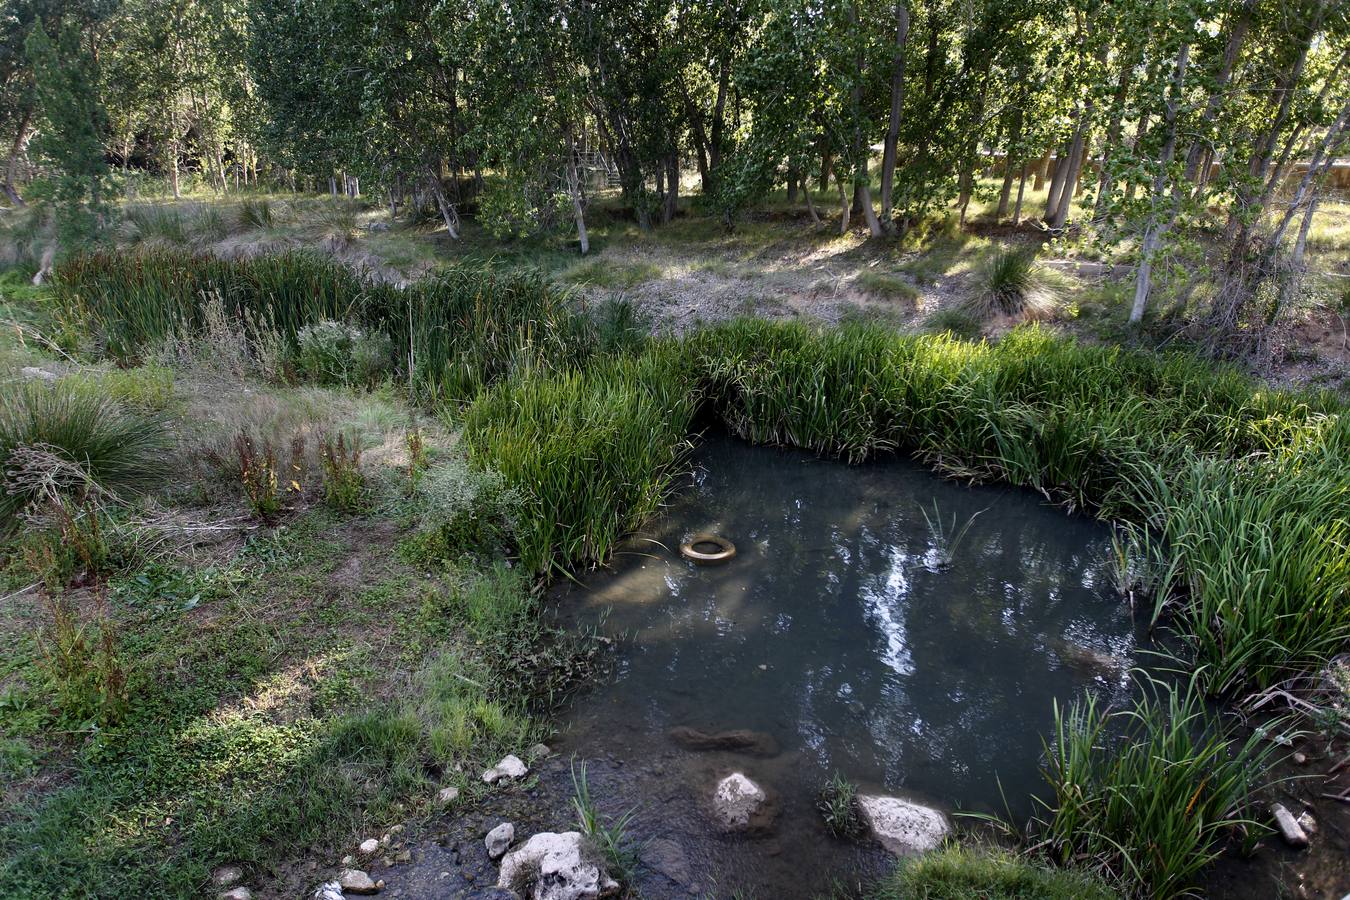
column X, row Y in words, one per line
column 553, row 866
column 329, row 890
column 354, row 881
column 667, row 857
column 510, row 767
column 741, row 740
column 741, row 805
column 499, row 839
column 1290, row 830
column 902, row 827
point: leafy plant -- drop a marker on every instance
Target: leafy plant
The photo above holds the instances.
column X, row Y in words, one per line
column 84, row 667
column 837, row 803
column 258, row 476
column 1149, row 794
column 344, row 485
column 330, row 352
column 963, row 873
column 610, row 836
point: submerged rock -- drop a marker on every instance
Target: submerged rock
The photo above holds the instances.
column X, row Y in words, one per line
column 553, row 866
column 668, row 857
column 510, row 767
column 740, row 740
column 499, row 839
column 902, row 827
column 741, row 805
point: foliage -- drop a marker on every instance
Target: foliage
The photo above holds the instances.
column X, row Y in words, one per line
column 463, row 512
column 837, row 803
column 1149, row 794
column 344, row 485
column 78, row 443
column 331, row 352
column 959, row 873
column 258, row 475
column 593, row 452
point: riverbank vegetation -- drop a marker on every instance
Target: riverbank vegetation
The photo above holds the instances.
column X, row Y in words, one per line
column 1231, row 498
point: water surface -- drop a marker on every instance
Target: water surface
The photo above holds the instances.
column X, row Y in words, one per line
column 835, row 631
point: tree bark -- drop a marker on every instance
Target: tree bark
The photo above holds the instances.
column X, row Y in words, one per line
column 889, row 152
column 574, row 188
column 1021, row 190
column 1158, row 226
column 16, row 149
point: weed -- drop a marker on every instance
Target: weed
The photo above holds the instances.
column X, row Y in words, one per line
column 344, row 486
column 610, row 837
column 84, row 669
column 946, row 539
column 837, row 803
column 255, row 214
column 417, row 458
column 258, row 476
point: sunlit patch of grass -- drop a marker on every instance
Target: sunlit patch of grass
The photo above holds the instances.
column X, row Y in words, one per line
column 887, row 286
column 961, row 873
column 611, row 274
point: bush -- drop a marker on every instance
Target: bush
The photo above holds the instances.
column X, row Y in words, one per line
column 1012, row 283
column 1149, row 794
column 79, row 444
column 464, row 512
column 958, row 873
column 331, row 352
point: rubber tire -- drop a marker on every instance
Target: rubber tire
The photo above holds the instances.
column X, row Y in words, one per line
column 698, row 557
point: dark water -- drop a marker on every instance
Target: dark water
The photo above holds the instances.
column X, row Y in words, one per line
column 833, row 631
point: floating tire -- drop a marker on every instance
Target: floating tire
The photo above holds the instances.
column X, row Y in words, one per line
column 724, row 551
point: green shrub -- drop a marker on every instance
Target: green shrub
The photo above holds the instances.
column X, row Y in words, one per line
column 1012, row 283
column 331, row 352
column 952, row 321
column 1150, row 794
column 344, row 486
column 958, row 873
column 463, row 512
column 61, row 440
column 593, row 453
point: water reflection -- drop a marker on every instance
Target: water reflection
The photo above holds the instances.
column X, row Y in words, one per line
column 832, row 631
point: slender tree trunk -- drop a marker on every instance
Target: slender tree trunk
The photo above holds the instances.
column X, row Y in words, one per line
column 1021, row 190
column 861, row 189
column 890, row 151
column 826, row 169
column 1040, row 170
column 1301, row 244
column 845, row 208
column 672, row 188
column 448, row 213
column 1154, row 231
column 574, row 188
column 810, row 204
column 1237, row 34
column 15, row 153
column 1056, row 184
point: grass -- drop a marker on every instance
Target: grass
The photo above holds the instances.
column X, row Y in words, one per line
column 79, row 442
column 1149, row 795
column 837, row 804
column 887, row 287
column 614, row 276
column 960, row 873
column 1012, row 283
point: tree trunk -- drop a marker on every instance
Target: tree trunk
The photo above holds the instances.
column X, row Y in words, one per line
column 1061, row 171
column 672, row 188
column 826, row 169
column 1158, row 226
column 792, row 179
column 845, row 208
column 574, row 188
column 1301, row 244
column 1236, row 36
column 1021, row 190
column 448, row 213
column 889, row 151
column 15, row 152
column 1077, row 150
column 861, row 189
column 810, row 204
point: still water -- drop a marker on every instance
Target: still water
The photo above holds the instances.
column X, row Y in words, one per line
column 836, row 631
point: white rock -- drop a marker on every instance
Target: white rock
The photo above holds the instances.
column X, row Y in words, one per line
column 499, row 839
column 553, row 866
column 1290, row 830
column 446, row 796
column 902, row 827
column 226, row 876
column 737, row 801
column 236, row 893
column 33, row 372
column 354, row 881
column 329, row 890
column 510, row 767
column 369, row 846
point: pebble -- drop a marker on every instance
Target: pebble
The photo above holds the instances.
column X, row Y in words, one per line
column 446, row 796
column 236, row 893
column 1300, row 758
column 499, row 839
column 1290, row 830
column 226, row 876
column 1307, row 823
column 369, row 846
column 354, row 881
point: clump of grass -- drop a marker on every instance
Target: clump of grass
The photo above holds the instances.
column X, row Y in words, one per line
column 615, row 276
column 255, row 214
column 258, row 475
column 961, row 873
column 153, row 223
column 953, row 321
column 837, row 803
column 83, row 664
column 946, row 537
column 94, row 445
column 610, row 837
column 1149, row 794
column 886, row 286
column 1011, row 283
column 592, row 453
column 148, row 387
